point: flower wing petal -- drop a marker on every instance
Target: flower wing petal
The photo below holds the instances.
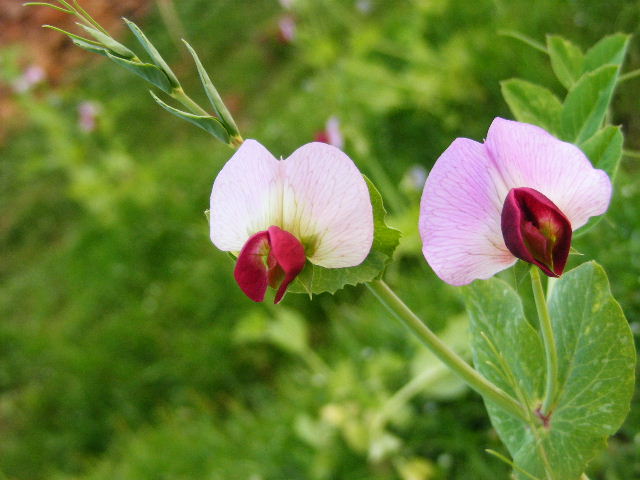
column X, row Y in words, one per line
column 528, row 156
column 460, row 216
column 326, row 204
column 245, row 197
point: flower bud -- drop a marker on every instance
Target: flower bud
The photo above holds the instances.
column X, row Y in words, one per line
column 535, row 230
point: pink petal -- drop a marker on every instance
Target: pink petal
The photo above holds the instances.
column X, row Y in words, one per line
column 528, row 156
column 245, row 197
column 290, row 256
column 460, row 216
column 326, row 205
column 251, row 273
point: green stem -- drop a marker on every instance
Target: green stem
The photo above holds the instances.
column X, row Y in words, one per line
column 629, row 75
column 551, row 354
column 179, row 95
column 471, row 377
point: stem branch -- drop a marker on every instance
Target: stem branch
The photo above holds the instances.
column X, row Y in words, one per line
column 551, row 353
column 484, row 387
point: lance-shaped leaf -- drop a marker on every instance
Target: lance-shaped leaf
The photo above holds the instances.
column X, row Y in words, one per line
column 531, row 103
column 610, row 50
column 315, row 279
column 153, row 53
column 596, row 359
column 214, row 97
column 148, row 71
column 586, row 104
column 115, row 47
column 206, row 122
column 567, row 60
column 90, row 47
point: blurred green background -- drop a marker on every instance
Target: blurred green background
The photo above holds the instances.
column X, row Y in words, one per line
column 126, row 349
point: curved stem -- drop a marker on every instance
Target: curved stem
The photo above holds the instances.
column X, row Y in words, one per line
column 471, row 377
column 551, row 354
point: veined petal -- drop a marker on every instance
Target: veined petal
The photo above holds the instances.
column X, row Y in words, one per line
column 460, row 215
column 245, row 197
column 528, row 156
column 326, row 205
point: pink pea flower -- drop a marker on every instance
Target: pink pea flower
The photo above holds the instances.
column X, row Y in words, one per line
column 314, row 205
column 332, row 134
column 287, row 28
column 87, row 114
column 32, row 76
column 520, row 194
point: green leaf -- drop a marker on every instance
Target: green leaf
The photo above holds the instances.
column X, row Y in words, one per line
column 153, row 53
column 586, row 104
column 567, row 60
column 604, row 150
column 596, row 359
column 531, row 103
column 314, row 279
column 108, row 42
column 610, row 50
column 208, row 123
column 90, row 47
column 149, row 72
column 214, row 97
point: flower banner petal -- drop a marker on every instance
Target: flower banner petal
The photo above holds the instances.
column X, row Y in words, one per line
column 528, row 156
column 326, row 205
column 245, row 197
column 460, row 215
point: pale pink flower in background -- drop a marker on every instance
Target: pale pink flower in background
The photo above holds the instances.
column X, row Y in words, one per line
column 332, row 134
column 287, row 4
column 88, row 112
column 287, row 28
column 313, row 205
column 517, row 195
column 32, row 76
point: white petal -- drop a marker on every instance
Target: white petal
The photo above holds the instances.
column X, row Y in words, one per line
column 528, row 156
column 460, row 216
column 326, row 204
column 245, row 197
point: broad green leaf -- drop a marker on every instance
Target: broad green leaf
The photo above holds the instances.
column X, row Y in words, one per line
column 315, row 279
column 206, row 122
column 153, row 53
column 596, row 369
column 531, row 103
column 115, row 47
column 610, row 50
column 604, row 150
column 148, row 71
column 586, row 104
column 214, row 97
column 566, row 60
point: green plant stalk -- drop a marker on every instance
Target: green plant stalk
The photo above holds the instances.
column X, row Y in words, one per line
column 180, row 95
column 551, row 354
column 471, row 377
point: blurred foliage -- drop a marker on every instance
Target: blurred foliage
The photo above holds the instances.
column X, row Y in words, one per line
column 126, row 349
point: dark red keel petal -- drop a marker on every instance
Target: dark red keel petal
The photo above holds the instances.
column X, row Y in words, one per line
column 289, row 255
column 535, row 230
column 251, row 271
column 273, row 257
